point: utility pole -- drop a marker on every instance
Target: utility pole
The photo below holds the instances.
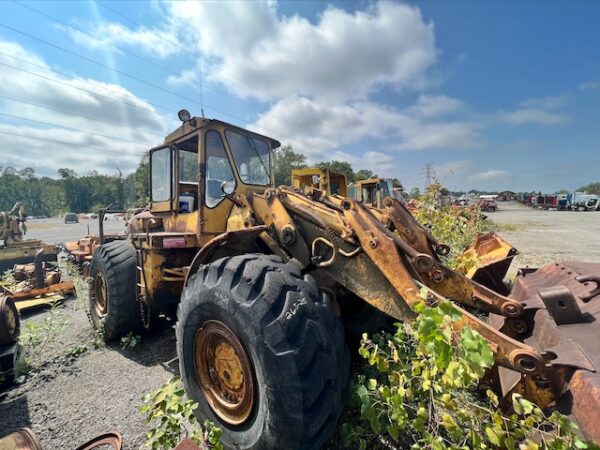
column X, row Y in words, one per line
column 429, row 174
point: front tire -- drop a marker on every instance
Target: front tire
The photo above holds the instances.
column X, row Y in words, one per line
column 262, row 353
column 113, row 303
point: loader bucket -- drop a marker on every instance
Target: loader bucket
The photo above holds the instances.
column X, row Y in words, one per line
column 562, row 304
column 494, row 256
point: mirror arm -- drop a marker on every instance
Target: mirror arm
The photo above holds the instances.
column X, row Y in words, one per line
column 233, row 200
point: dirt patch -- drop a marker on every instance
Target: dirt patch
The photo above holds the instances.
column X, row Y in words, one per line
column 75, row 391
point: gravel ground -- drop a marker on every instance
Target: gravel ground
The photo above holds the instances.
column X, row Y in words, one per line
column 69, row 399
column 55, row 231
column 548, row 236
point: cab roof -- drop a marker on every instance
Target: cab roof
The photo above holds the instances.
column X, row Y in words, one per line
column 198, row 123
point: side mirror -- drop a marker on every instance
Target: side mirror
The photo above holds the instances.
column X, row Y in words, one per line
column 228, row 187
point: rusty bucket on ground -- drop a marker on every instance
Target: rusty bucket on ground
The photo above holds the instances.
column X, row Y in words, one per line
column 22, row 439
column 493, row 255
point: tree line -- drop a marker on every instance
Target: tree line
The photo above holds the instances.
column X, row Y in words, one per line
column 70, row 192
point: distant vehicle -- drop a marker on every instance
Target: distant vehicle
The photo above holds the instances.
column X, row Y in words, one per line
column 593, row 204
column 110, row 217
column 488, row 204
column 71, row 218
column 90, row 216
column 563, row 202
column 580, row 200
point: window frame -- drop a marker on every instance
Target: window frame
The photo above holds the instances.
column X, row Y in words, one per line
column 205, row 174
column 151, row 171
column 235, row 167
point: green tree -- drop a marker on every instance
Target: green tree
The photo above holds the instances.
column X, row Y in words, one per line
column 415, row 192
column 142, row 180
column 338, row 166
column 364, row 174
column 286, row 159
column 591, row 188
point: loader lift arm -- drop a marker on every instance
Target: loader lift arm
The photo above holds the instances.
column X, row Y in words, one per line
column 385, row 257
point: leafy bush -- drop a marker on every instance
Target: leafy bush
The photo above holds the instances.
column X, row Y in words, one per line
column 172, row 418
column 419, row 391
column 454, row 226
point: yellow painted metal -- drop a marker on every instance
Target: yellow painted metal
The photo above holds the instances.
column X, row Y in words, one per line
column 25, row 305
column 330, row 182
column 487, row 250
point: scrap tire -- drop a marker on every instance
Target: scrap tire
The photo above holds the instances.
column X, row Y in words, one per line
column 294, row 343
column 114, row 264
column 9, row 321
column 360, row 317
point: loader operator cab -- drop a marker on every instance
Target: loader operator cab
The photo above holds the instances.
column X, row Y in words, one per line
column 201, row 163
column 372, row 191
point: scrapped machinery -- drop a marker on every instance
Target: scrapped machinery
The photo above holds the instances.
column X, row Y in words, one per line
column 36, row 284
column 492, row 256
column 266, row 279
column 373, row 191
column 14, row 248
column 80, row 252
column 325, row 180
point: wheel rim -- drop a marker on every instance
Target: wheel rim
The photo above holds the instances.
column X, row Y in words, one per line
column 100, row 295
column 11, row 321
column 224, row 372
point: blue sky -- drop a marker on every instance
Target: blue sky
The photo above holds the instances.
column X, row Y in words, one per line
column 496, row 95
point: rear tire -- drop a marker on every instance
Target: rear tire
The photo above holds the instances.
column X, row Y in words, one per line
column 113, row 303
column 288, row 346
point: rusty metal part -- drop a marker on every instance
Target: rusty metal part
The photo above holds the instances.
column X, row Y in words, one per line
column 224, row 372
column 111, row 439
column 22, row 439
column 568, row 339
column 62, row 287
column 586, row 279
column 493, row 256
column 38, row 280
column 561, row 305
column 9, row 321
column 188, row 444
column 100, row 294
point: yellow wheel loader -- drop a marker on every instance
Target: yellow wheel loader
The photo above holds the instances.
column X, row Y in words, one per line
column 269, row 281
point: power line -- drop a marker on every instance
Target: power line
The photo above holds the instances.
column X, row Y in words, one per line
column 138, row 79
column 12, row 116
column 37, row 105
column 89, row 91
column 69, row 144
column 143, row 82
column 136, row 55
column 64, row 83
column 180, row 47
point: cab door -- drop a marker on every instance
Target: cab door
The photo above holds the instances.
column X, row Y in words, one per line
column 161, row 182
column 215, row 208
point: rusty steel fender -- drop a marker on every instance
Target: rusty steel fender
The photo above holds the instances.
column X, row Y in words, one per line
column 228, row 243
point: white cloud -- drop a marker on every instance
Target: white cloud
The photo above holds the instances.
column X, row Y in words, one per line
column 316, row 127
column 159, row 43
column 533, row 115
column 435, row 106
column 71, row 103
column 549, row 102
column 489, row 175
column 343, row 55
column 589, row 86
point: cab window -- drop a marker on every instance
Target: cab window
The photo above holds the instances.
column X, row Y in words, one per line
column 188, row 167
column 252, row 158
column 218, row 169
column 161, row 175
